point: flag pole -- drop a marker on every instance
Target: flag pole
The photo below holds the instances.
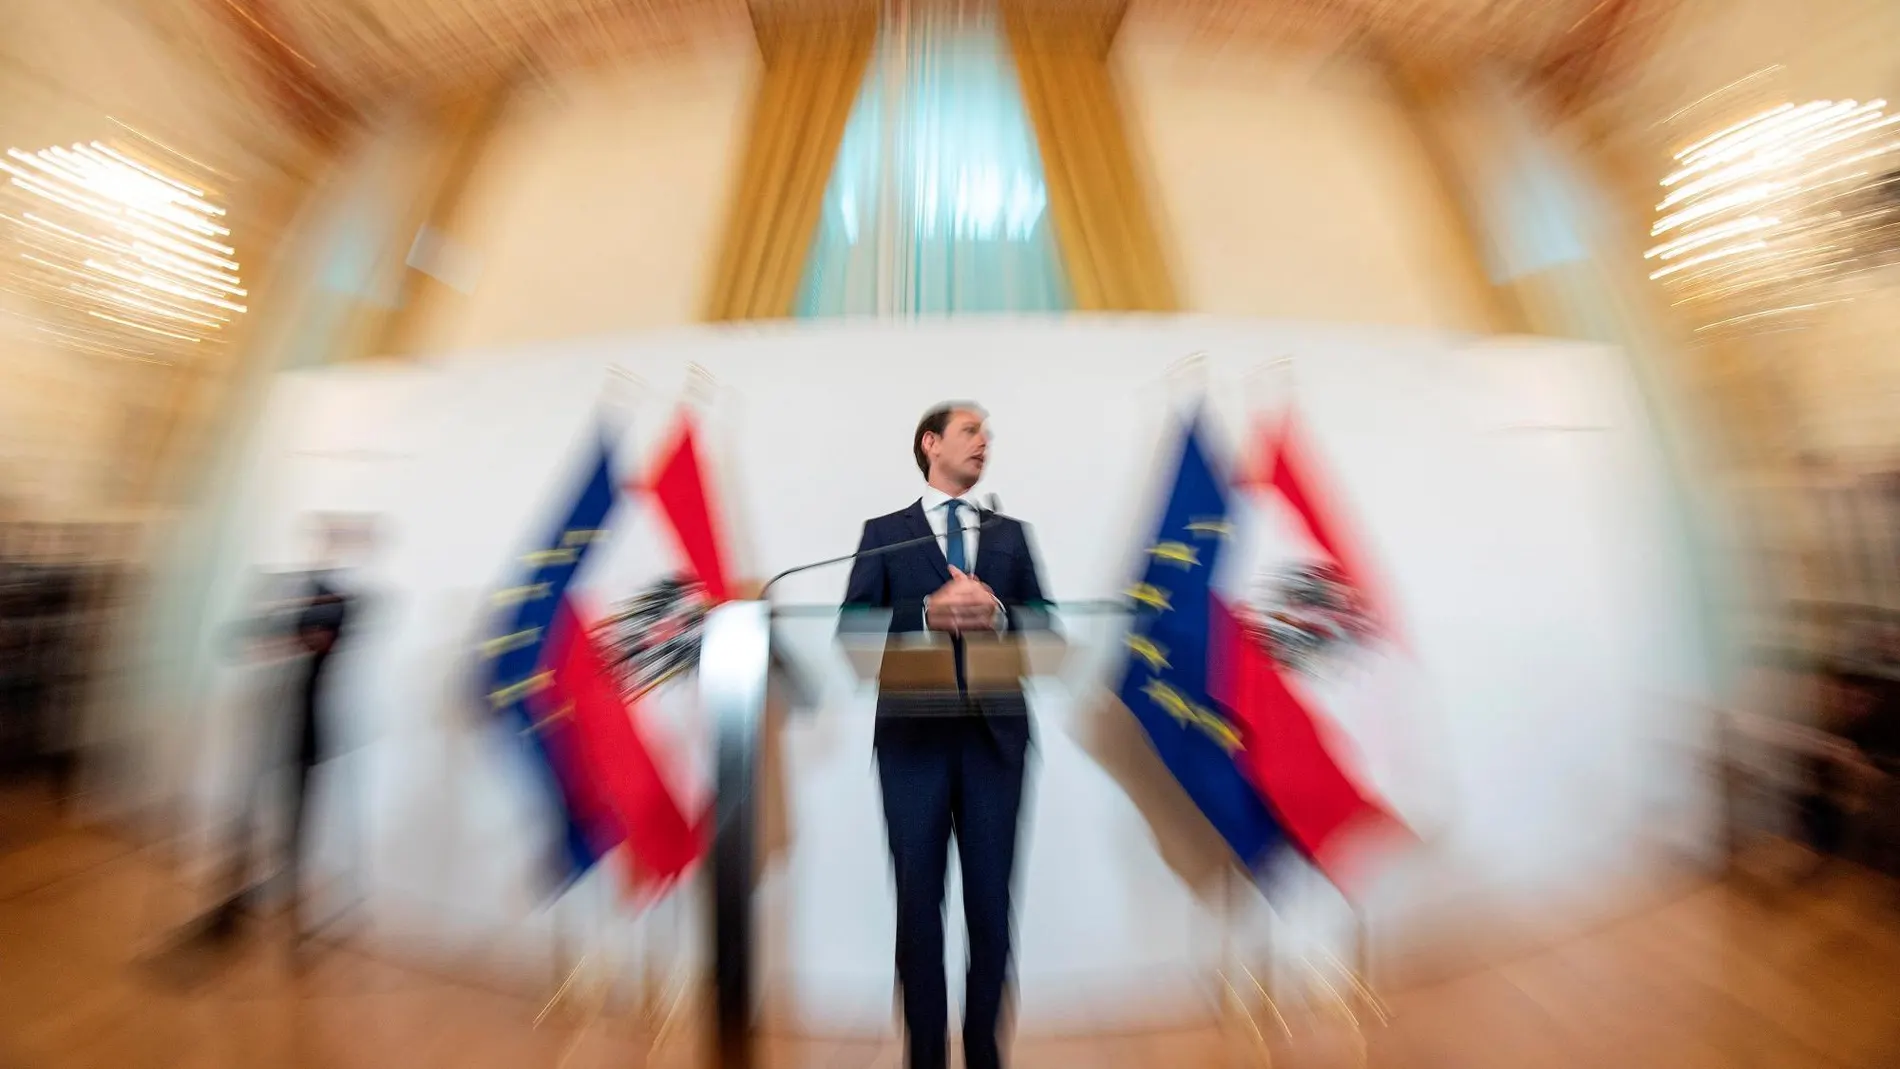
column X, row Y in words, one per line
column 701, row 387
column 1354, row 999
column 1362, row 965
column 647, row 943
column 596, row 984
column 1271, row 386
column 1262, row 977
column 1359, row 975
column 619, row 395
column 559, row 956
column 1234, row 998
column 1187, row 379
column 674, row 990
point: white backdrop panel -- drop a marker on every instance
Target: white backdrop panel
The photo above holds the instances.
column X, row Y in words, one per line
column 1509, row 488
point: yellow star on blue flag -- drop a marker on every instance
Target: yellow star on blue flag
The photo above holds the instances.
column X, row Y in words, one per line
column 1165, row 679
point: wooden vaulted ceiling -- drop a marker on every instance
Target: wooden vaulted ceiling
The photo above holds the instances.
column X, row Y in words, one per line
column 325, row 61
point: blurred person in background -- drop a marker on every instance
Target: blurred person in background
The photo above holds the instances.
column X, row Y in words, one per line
column 42, row 645
column 305, row 620
column 1857, row 777
column 19, row 730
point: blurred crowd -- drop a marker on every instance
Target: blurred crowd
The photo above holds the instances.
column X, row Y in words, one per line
column 1815, row 758
column 62, row 587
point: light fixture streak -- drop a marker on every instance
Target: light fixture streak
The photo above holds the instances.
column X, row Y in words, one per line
column 122, row 256
column 1758, row 219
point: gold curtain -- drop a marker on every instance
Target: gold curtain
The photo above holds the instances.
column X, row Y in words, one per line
column 813, row 70
column 1109, row 241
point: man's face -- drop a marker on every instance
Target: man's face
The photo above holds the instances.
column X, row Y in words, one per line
column 959, row 453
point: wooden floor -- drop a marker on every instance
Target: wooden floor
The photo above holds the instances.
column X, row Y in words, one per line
column 1718, row 976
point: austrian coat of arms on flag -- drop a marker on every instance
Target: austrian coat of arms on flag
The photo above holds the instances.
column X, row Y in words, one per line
column 591, row 641
column 1315, row 666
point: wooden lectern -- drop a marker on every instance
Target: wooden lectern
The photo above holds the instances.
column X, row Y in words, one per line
column 926, row 664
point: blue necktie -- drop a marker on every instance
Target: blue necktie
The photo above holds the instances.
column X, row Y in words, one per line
column 953, row 542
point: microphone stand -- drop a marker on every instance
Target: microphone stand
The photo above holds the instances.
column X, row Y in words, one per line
column 992, row 517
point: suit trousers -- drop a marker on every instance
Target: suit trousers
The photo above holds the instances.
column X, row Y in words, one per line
column 956, row 778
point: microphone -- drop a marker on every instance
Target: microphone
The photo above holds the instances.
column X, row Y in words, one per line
column 991, row 509
column 992, row 516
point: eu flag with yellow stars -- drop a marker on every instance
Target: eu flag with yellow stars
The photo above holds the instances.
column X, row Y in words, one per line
column 530, row 633
column 1165, row 680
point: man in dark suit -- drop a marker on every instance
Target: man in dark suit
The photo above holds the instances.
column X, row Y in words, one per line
column 308, row 619
column 951, row 767
column 321, row 627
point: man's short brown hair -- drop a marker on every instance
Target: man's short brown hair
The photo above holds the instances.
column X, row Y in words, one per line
column 936, row 421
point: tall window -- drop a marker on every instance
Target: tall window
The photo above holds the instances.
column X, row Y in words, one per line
column 937, row 202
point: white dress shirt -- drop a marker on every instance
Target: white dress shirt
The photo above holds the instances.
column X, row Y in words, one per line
column 934, row 501
column 968, row 519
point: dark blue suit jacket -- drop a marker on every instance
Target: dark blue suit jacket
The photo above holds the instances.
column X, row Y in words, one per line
column 900, row 582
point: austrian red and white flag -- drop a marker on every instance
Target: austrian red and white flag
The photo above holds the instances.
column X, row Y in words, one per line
column 1315, row 667
column 663, row 565
column 679, row 484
